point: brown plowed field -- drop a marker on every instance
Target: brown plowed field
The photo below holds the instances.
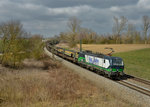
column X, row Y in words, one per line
column 117, row 47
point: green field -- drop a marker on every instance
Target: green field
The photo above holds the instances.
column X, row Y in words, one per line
column 137, row 62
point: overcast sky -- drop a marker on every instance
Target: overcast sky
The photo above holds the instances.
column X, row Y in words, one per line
column 49, row 17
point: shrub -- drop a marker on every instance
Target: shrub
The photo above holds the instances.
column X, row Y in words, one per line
column 36, row 47
column 15, row 47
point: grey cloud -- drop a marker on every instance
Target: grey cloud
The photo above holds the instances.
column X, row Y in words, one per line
column 49, row 17
column 66, row 3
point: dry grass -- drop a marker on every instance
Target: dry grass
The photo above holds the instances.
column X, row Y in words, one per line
column 116, row 47
column 55, row 86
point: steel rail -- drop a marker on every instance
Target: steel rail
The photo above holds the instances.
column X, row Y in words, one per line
column 138, row 79
column 135, row 87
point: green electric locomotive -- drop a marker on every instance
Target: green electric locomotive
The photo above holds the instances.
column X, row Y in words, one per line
column 111, row 66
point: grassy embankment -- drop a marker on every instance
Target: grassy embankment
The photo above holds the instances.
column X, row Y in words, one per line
column 137, row 62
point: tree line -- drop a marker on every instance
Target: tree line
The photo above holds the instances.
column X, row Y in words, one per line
column 123, row 32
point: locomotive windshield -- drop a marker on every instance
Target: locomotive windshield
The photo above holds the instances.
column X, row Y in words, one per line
column 117, row 61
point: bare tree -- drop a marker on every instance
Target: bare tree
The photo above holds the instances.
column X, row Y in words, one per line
column 119, row 26
column 129, row 35
column 88, row 35
column 131, row 29
column 146, row 26
column 74, row 26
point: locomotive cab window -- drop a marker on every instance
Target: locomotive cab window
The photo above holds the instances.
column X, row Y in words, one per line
column 117, row 61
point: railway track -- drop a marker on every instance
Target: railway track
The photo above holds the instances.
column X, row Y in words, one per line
column 146, row 82
column 135, row 87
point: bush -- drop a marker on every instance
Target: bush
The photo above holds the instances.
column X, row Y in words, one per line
column 15, row 47
column 36, row 47
column 12, row 45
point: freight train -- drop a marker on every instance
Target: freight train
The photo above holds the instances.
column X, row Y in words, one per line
column 97, row 62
